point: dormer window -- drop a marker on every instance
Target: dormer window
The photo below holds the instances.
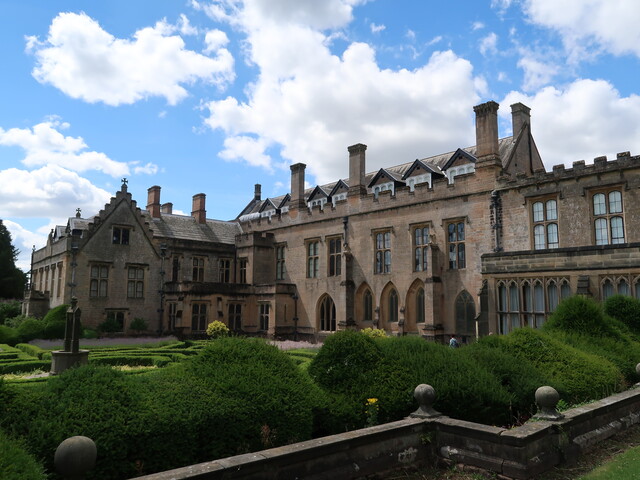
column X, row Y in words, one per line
column 121, row 235
column 460, row 170
column 319, row 202
column 338, row 197
column 267, row 213
column 383, row 187
column 417, row 180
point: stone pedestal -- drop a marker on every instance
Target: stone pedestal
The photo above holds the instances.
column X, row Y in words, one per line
column 61, row 360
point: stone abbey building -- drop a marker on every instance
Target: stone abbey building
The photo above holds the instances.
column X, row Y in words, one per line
column 474, row 241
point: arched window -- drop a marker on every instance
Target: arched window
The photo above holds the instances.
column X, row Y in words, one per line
column 393, row 306
column 465, row 314
column 367, row 306
column 327, row 314
column 420, row 305
column 552, row 295
column 607, row 289
column 538, row 305
column 565, row 290
column 623, row 287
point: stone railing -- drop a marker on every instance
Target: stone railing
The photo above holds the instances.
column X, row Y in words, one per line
column 549, row 439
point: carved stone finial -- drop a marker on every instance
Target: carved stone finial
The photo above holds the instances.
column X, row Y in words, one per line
column 425, row 396
column 78, row 212
column 75, row 456
column 547, row 399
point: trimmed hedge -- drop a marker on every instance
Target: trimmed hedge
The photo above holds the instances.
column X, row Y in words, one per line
column 24, row 366
column 31, row 350
column 16, row 463
column 131, row 360
column 8, row 335
column 625, row 309
column 577, row 375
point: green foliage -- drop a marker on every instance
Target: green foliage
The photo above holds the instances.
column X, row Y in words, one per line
column 9, row 309
column 12, row 279
column 9, row 335
column 625, row 309
column 374, row 332
column 56, row 314
column 580, row 314
column 110, row 325
column 217, row 329
column 89, row 333
column 31, row 329
column 16, row 463
column 31, row 350
column 131, row 360
column 578, row 376
column 464, row 389
column 24, row 366
column 139, row 325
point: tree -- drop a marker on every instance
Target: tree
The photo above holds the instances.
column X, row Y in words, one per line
column 12, row 279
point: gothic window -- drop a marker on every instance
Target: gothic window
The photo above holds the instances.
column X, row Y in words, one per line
column 99, row 281
column 280, row 265
column 135, row 282
column 420, row 305
column 199, row 317
column 235, row 317
column 327, row 314
column 263, row 316
column 198, row 269
column 367, row 306
column 420, row 248
column 623, row 287
column 116, row 317
column 607, row 289
column 465, row 311
column 224, row 270
column 393, row 306
column 313, row 260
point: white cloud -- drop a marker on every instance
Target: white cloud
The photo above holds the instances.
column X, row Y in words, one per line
column 376, row 28
column 45, row 145
column 488, row 45
column 24, row 240
column 215, row 40
column 185, row 26
column 147, row 169
column 86, row 62
column 46, row 192
column 584, row 25
column 312, row 104
column 586, row 119
column 537, row 73
column 477, row 26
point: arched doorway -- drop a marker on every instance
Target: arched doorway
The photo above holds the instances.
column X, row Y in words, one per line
column 465, row 309
column 326, row 314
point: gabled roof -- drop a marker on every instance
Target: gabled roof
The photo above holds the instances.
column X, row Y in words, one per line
column 284, row 201
column 183, row 227
column 393, row 176
column 340, row 185
column 459, row 153
column 268, row 204
column 420, row 164
column 317, row 192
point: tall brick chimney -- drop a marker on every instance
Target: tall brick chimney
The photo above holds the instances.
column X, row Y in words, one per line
column 257, row 192
column 487, row 130
column 198, row 209
column 520, row 117
column 167, row 208
column 297, row 186
column 357, row 167
column 153, row 201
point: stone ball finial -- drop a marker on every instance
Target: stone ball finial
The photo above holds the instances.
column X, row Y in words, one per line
column 638, row 369
column 547, row 399
column 425, row 395
column 75, row 456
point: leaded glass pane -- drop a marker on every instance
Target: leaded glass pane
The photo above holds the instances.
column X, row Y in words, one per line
column 538, row 237
column 602, row 233
column 552, row 235
column 552, row 210
column 615, row 202
column 538, row 214
column 599, row 205
column 617, row 230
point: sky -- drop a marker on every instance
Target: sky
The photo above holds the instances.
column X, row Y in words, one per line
column 204, row 96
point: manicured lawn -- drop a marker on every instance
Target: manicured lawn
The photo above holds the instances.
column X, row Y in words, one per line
column 625, row 466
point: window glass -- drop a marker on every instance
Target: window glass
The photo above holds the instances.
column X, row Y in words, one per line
column 617, row 230
column 552, row 210
column 615, row 202
column 602, row 233
column 607, row 289
column 599, row 205
column 538, row 237
column 552, row 235
column 623, row 287
column 538, row 215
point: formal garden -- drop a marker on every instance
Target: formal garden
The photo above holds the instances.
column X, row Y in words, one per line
column 159, row 406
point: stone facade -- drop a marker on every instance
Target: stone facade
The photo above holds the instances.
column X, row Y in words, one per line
column 477, row 240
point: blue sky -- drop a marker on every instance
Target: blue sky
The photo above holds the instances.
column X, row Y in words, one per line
column 215, row 96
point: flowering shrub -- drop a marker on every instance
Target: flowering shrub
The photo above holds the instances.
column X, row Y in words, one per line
column 371, row 410
column 374, row 332
column 217, row 329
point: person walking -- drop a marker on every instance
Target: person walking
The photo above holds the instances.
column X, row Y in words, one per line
column 453, row 343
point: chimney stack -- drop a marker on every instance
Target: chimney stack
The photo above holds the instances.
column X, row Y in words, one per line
column 198, row 209
column 487, row 130
column 153, row 201
column 257, row 192
column 167, row 208
column 357, row 167
column 520, row 117
column 297, row 186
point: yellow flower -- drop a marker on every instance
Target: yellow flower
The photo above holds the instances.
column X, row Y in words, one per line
column 372, row 401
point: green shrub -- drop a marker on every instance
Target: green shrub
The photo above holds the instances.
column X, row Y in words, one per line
column 24, row 366
column 9, row 309
column 110, row 325
column 577, row 375
column 139, row 325
column 9, row 335
column 131, row 360
column 345, row 362
column 625, row 309
column 374, row 332
column 579, row 314
column 217, row 329
column 31, row 350
column 238, row 395
column 30, row 329
column 464, row 389
column 16, row 463
column 94, row 401
column 89, row 333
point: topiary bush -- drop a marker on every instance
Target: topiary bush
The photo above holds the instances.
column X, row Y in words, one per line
column 139, row 325
column 578, row 376
column 625, row 309
column 16, row 463
column 580, row 314
column 374, row 332
column 8, row 335
column 30, row 329
column 217, row 329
